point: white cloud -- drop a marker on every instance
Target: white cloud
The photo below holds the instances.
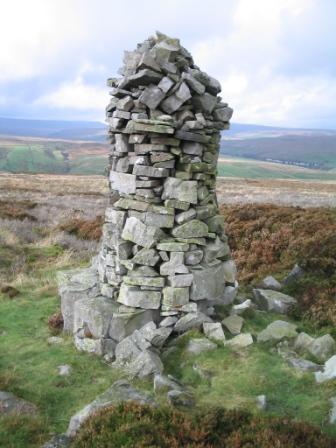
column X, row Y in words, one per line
column 75, row 95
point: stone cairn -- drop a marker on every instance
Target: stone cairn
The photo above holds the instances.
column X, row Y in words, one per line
column 164, row 259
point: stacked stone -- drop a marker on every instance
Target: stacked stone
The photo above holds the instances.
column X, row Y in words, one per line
column 164, row 253
column 164, row 246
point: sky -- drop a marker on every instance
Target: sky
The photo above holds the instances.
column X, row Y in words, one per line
column 275, row 59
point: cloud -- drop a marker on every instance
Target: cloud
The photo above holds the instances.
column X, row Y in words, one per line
column 75, row 95
column 275, row 59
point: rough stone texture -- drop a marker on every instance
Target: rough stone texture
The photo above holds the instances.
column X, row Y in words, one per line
column 329, row 371
column 270, row 300
column 214, row 331
column 10, row 404
column 242, row 340
column 199, row 345
column 120, row 391
column 270, row 282
column 233, row 323
column 276, row 331
column 322, row 348
column 164, row 255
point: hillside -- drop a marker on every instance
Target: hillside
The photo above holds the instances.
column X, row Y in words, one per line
column 250, row 151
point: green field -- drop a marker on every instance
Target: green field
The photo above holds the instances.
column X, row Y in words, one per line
column 89, row 158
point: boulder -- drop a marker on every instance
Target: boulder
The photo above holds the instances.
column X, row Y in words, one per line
column 190, row 321
column 147, row 363
column 302, row 342
column 241, row 307
column 163, row 383
column 10, row 404
column 233, row 323
column 180, row 398
column 322, row 348
column 296, row 273
column 196, row 346
column 208, row 283
column 275, row 301
column 214, row 330
column 242, row 340
column 75, row 285
column 303, row 365
column 276, row 331
column 329, row 371
column 125, row 323
column 58, row 441
column 270, row 282
column 230, row 271
column 120, row 391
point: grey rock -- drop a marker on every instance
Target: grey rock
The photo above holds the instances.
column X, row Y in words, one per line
column 120, row 391
column 205, row 102
column 223, row 114
column 135, row 297
column 75, row 285
column 185, row 191
column 55, row 340
column 152, row 96
column 174, row 265
column 191, row 229
column 270, row 300
column 125, row 103
column 58, row 441
column 192, row 82
column 218, row 249
column 183, row 217
column 89, row 345
column 180, row 398
column 147, row 363
column 214, row 330
column 230, row 271
column 303, row 342
column 230, row 293
column 303, row 365
column 190, row 321
column 142, row 78
column 193, row 257
column 329, row 371
column 174, row 297
column 208, row 283
column 121, row 143
column 11, row 404
column 163, row 383
column 140, row 233
column 96, row 313
column 142, row 170
column 323, row 347
column 233, row 323
column 196, row 346
column 172, row 246
column 165, row 84
column 175, row 101
column 180, row 281
column 193, row 148
column 241, row 307
column 147, row 257
column 125, row 323
column 64, row 370
column 276, row 331
column 242, row 340
column 168, row 321
column 261, row 402
column 296, row 273
column 270, row 282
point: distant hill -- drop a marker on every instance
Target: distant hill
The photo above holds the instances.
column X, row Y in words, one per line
column 70, row 130
column 310, row 148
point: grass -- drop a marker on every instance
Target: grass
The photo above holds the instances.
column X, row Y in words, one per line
column 265, row 239
column 236, row 379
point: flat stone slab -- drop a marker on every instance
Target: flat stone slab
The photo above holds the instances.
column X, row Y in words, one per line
column 120, row 391
column 199, row 345
column 276, row 331
column 270, row 300
column 241, row 341
column 11, row 404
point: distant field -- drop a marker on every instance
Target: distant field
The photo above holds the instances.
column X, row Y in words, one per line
column 255, row 169
column 40, row 155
